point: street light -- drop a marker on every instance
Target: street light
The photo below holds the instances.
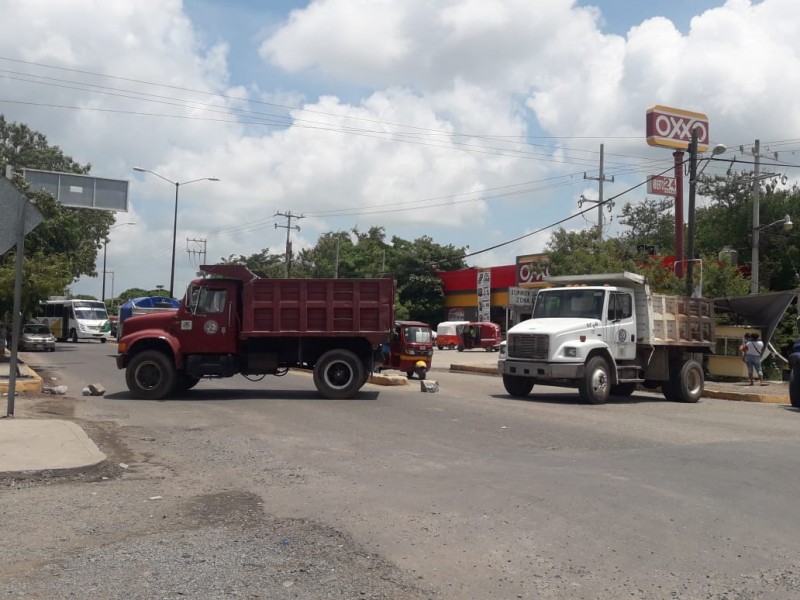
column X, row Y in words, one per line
column 105, row 247
column 177, row 185
column 786, row 221
column 693, row 176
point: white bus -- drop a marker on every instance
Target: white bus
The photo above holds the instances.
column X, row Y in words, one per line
column 76, row 319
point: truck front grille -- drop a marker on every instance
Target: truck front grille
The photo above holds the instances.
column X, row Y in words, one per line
column 531, row 345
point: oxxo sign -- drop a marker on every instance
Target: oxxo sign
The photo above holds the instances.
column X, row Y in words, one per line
column 672, row 128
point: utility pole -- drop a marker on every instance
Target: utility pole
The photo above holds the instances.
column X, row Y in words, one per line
column 289, row 216
column 691, row 225
column 198, row 249
column 600, row 179
column 756, row 218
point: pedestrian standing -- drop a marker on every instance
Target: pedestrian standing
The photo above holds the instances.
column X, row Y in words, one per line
column 752, row 358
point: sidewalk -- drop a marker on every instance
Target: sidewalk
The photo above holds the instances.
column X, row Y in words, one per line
column 37, row 445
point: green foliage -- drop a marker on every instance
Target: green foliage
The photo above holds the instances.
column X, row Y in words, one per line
column 422, row 297
column 261, row 263
column 580, row 252
column 650, row 222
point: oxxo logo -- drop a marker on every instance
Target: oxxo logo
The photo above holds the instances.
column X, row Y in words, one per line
column 678, row 128
column 672, row 127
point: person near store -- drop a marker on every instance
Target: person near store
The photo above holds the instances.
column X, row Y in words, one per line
column 754, row 347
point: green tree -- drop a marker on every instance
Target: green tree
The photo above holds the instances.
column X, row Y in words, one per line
column 65, row 245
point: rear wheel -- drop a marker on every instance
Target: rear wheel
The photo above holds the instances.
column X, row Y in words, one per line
column 687, row 382
column 151, row 375
column 516, row 386
column 338, row 374
column 185, row 382
column 595, row 387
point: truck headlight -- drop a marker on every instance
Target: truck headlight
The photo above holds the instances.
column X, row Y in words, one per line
column 571, row 352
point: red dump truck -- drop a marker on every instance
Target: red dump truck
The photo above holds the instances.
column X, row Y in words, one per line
column 237, row 323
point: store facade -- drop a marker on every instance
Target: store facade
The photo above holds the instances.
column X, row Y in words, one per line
column 502, row 295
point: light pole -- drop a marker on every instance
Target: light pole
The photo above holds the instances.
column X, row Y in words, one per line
column 177, row 185
column 786, row 221
column 105, row 248
column 693, row 177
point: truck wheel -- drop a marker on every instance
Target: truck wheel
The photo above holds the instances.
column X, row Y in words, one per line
column 794, row 386
column 687, row 382
column 338, row 374
column 623, row 389
column 516, row 386
column 151, row 375
column 185, row 382
column 595, row 387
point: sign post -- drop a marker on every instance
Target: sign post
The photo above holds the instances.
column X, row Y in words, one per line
column 673, row 128
column 27, row 218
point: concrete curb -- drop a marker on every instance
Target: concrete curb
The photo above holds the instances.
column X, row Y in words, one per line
column 28, row 380
column 707, row 393
column 763, row 398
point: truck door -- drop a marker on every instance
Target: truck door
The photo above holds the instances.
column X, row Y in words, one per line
column 210, row 324
column 621, row 325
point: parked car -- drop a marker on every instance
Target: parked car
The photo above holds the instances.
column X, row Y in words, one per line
column 37, row 336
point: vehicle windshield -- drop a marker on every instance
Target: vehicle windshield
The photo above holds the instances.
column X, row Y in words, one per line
column 90, row 313
column 36, row 329
column 569, row 303
column 417, row 335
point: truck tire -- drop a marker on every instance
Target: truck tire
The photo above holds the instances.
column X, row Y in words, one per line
column 595, row 386
column 184, row 382
column 516, row 386
column 623, row 390
column 794, row 386
column 687, row 382
column 338, row 374
column 151, row 375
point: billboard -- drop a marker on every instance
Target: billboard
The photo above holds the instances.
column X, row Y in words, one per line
column 662, row 185
column 672, row 128
column 484, row 294
column 80, row 191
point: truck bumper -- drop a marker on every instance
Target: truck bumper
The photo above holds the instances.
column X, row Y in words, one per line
column 540, row 370
column 122, row 361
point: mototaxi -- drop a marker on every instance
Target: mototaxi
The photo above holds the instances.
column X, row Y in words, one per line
column 410, row 349
column 447, row 334
column 483, row 335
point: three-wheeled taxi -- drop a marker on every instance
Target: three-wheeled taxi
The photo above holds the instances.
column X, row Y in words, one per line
column 479, row 335
column 410, row 349
column 446, row 334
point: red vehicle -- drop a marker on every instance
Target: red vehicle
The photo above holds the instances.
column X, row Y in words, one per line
column 410, row 349
column 479, row 335
column 237, row 323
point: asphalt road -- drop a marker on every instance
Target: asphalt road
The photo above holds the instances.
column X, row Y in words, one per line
column 465, row 493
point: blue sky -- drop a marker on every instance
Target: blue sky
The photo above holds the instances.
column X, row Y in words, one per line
column 475, row 122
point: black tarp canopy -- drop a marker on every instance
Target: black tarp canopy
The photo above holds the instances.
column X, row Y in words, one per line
column 759, row 310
